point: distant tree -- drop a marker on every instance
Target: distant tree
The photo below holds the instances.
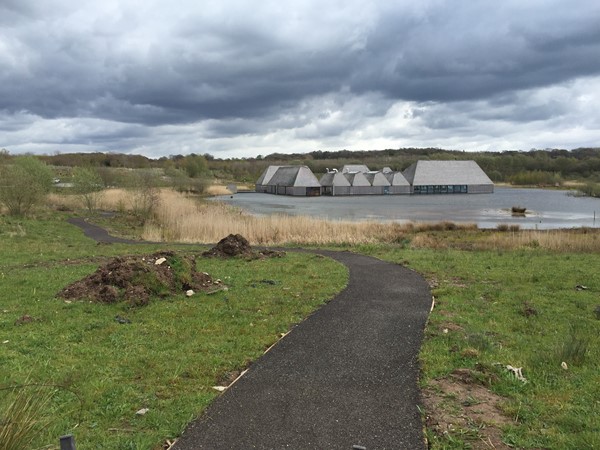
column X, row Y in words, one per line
column 24, row 184
column 194, row 165
column 4, row 155
column 146, row 194
column 88, row 185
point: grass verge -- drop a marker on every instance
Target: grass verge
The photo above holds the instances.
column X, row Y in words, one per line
column 167, row 359
column 521, row 308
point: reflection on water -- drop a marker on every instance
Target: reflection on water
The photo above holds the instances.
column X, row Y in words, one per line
column 546, row 209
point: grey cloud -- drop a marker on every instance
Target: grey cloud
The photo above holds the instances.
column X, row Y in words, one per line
column 235, row 69
column 481, row 49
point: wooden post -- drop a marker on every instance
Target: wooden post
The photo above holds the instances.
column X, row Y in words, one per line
column 67, row 442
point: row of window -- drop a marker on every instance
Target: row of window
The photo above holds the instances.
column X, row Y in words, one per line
column 441, row 189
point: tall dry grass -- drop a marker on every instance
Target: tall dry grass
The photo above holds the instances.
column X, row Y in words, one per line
column 22, row 416
column 183, row 218
column 111, row 199
column 219, row 189
column 576, row 240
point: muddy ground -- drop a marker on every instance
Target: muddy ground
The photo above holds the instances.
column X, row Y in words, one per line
column 137, row 279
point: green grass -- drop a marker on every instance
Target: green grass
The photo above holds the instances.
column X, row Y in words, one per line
column 48, row 238
column 100, row 372
column 519, row 308
column 508, row 307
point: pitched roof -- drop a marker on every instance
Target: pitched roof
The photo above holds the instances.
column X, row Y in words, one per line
column 445, row 173
column 294, row 176
column 266, row 175
column 357, row 179
column 396, row 179
column 377, row 179
column 334, row 179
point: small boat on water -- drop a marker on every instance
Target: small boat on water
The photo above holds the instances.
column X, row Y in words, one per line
column 518, row 210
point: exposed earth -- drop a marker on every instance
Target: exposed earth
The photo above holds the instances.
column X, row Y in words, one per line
column 137, row 279
column 462, row 404
column 237, row 245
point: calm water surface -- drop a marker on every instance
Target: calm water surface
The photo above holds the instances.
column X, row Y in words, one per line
column 546, row 209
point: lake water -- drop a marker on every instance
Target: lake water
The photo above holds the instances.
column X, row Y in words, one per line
column 546, row 209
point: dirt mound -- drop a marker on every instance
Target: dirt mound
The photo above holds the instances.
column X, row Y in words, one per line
column 237, row 245
column 232, row 245
column 136, row 279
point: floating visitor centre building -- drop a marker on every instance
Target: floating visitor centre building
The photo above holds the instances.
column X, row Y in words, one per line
column 423, row 177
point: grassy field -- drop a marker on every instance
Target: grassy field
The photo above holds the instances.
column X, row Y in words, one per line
column 99, row 372
column 520, row 308
column 528, row 299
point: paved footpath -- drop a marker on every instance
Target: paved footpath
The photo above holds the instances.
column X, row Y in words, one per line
column 344, row 377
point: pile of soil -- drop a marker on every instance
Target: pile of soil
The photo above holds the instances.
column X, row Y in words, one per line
column 237, row 245
column 230, row 246
column 136, row 279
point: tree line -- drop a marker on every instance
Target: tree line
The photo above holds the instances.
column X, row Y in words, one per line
column 26, row 179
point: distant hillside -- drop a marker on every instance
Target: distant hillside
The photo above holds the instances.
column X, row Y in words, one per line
column 539, row 167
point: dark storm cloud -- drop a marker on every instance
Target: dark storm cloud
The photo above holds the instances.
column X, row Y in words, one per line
column 241, row 69
column 479, row 49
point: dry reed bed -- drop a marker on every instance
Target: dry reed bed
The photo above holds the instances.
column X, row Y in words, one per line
column 110, row 199
column 184, row 218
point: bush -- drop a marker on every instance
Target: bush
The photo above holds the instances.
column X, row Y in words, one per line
column 24, row 184
column 590, row 189
column 88, row 184
column 146, row 195
column 536, row 177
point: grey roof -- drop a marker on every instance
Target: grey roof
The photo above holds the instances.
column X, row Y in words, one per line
column 334, row 179
column 396, row 179
column 386, row 169
column 445, row 173
column 294, row 176
column 357, row 179
column 377, row 179
column 267, row 174
column 351, row 168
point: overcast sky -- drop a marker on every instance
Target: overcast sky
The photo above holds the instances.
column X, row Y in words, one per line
column 242, row 78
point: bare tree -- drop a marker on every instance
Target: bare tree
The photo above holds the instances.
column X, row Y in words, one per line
column 88, row 185
column 146, row 195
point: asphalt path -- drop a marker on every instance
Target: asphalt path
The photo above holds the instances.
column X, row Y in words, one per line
column 99, row 234
column 344, row 377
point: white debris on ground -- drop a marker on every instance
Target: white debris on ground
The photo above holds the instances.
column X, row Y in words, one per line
column 159, row 261
column 517, row 372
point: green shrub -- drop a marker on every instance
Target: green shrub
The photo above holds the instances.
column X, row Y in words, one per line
column 24, row 184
